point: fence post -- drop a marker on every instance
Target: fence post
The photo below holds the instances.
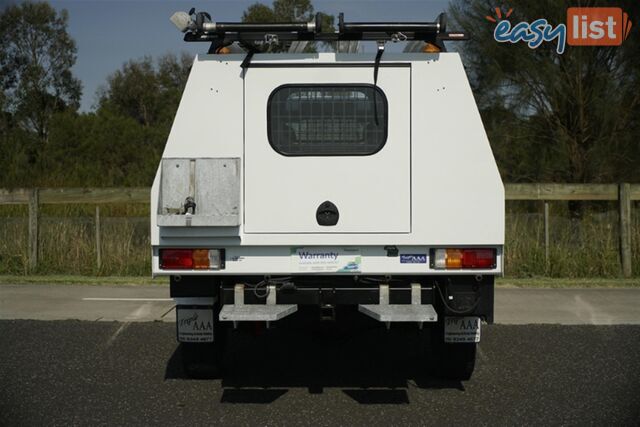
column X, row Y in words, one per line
column 547, row 260
column 624, row 197
column 98, row 245
column 33, row 230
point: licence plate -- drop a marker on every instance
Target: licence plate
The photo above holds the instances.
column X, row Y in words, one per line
column 461, row 329
column 195, row 324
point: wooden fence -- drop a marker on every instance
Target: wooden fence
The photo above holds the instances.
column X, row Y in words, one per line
column 623, row 193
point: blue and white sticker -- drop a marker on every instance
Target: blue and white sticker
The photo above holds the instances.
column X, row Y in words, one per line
column 413, row 258
column 336, row 260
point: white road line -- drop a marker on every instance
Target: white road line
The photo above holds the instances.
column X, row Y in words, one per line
column 115, row 334
column 127, row 299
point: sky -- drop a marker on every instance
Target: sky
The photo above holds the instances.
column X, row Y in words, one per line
column 108, row 33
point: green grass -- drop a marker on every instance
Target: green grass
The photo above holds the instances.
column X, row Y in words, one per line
column 68, row 245
column 579, row 247
column 586, row 247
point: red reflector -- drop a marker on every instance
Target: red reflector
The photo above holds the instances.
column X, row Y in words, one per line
column 176, row 259
column 478, row 258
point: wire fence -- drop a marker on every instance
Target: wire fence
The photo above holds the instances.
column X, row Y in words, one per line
column 106, row 231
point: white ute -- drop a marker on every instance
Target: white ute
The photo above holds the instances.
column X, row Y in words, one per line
column 296, row 182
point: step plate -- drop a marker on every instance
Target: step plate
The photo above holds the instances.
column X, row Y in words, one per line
column 255, row 312
column 400, row 312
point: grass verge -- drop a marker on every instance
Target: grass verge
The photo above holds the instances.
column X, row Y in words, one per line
column 548, row 282
column 584, row 246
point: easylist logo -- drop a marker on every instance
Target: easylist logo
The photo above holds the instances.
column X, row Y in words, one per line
column 586, row 26
column 597, row 26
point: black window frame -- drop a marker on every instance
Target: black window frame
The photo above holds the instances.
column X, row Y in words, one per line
column 378, row 92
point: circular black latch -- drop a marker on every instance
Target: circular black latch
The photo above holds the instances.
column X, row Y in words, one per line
column 327, row 214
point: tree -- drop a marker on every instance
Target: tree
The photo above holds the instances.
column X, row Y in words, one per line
column 36, row 56
column 145, row 91
column 258, row 13
column 99, row 149
column 571, row 117
column 281, row 11
column 287, row 11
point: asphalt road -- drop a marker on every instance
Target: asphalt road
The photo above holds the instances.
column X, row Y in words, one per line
column 152, row 303
column 88, row 373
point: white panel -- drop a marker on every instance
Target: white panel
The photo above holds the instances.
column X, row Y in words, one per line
column 458, row 193
column 209, row 119
column 153, row 209
column 372, row 193
column 458, row 197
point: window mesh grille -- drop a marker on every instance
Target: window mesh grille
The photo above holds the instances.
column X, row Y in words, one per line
column 327, row 120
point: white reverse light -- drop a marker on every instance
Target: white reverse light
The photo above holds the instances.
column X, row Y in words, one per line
column 440, row 259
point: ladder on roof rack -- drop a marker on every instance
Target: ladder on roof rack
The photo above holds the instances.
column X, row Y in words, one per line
column 198, row 27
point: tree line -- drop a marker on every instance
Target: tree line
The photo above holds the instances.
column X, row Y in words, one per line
column 573, row 117
column 569, row 118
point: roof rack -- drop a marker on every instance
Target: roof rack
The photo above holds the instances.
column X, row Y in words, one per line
column 199, row 27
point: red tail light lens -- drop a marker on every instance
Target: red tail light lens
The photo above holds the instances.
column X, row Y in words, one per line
column 176, row 259
column 478, row 258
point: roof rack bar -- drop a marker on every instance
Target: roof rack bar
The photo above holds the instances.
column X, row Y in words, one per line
column 439, row 26
column 415, row 27
column 241, row 27
column 202, row 29
column 329, row 37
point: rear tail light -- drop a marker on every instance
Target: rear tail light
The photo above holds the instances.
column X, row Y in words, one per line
column 176, row 259
column 192, row 259
column 479, row 258
column 200, row 259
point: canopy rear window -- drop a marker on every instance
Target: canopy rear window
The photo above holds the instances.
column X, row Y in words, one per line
column 327, row 120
